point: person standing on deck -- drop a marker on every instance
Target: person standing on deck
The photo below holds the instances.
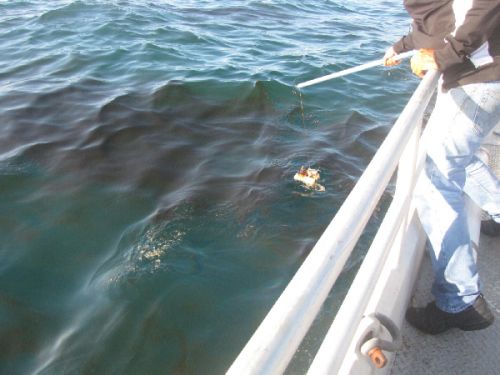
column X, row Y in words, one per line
column 461, row 39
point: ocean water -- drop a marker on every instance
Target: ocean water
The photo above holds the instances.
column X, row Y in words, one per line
column 148, row 213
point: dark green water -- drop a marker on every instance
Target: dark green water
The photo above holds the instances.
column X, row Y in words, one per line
column 148, row 213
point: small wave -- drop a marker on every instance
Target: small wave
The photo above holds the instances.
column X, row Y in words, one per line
column 70, row 11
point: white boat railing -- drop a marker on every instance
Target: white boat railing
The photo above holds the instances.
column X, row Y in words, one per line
column 276, row 340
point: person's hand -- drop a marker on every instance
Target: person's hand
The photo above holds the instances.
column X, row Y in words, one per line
column 423, row 61
column 388, row 58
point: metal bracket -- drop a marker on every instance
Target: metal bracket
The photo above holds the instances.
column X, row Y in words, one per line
column 372, row 346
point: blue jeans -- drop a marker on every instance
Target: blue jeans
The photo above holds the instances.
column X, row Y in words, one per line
column 461, row 119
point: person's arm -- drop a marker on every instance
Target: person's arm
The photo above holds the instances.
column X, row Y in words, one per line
column 404, row 44
column 432, row 21
column 479, row 23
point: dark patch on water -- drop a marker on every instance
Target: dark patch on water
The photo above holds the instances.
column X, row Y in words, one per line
column 216, row 171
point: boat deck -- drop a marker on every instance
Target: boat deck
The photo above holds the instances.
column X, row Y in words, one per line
column 455, row 351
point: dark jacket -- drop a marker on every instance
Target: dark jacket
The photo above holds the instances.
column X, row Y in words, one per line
column 465, row 35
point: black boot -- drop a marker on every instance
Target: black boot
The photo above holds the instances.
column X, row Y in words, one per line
column 490, row 228
column 432, row 320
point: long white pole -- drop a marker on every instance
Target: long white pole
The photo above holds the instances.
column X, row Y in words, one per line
column 354, row 69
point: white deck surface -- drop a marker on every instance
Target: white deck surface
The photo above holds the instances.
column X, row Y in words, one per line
column 455, row 351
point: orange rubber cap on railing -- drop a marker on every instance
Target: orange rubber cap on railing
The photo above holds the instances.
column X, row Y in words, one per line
column 377, row 356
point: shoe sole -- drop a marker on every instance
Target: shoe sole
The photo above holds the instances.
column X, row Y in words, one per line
column 475, row 327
